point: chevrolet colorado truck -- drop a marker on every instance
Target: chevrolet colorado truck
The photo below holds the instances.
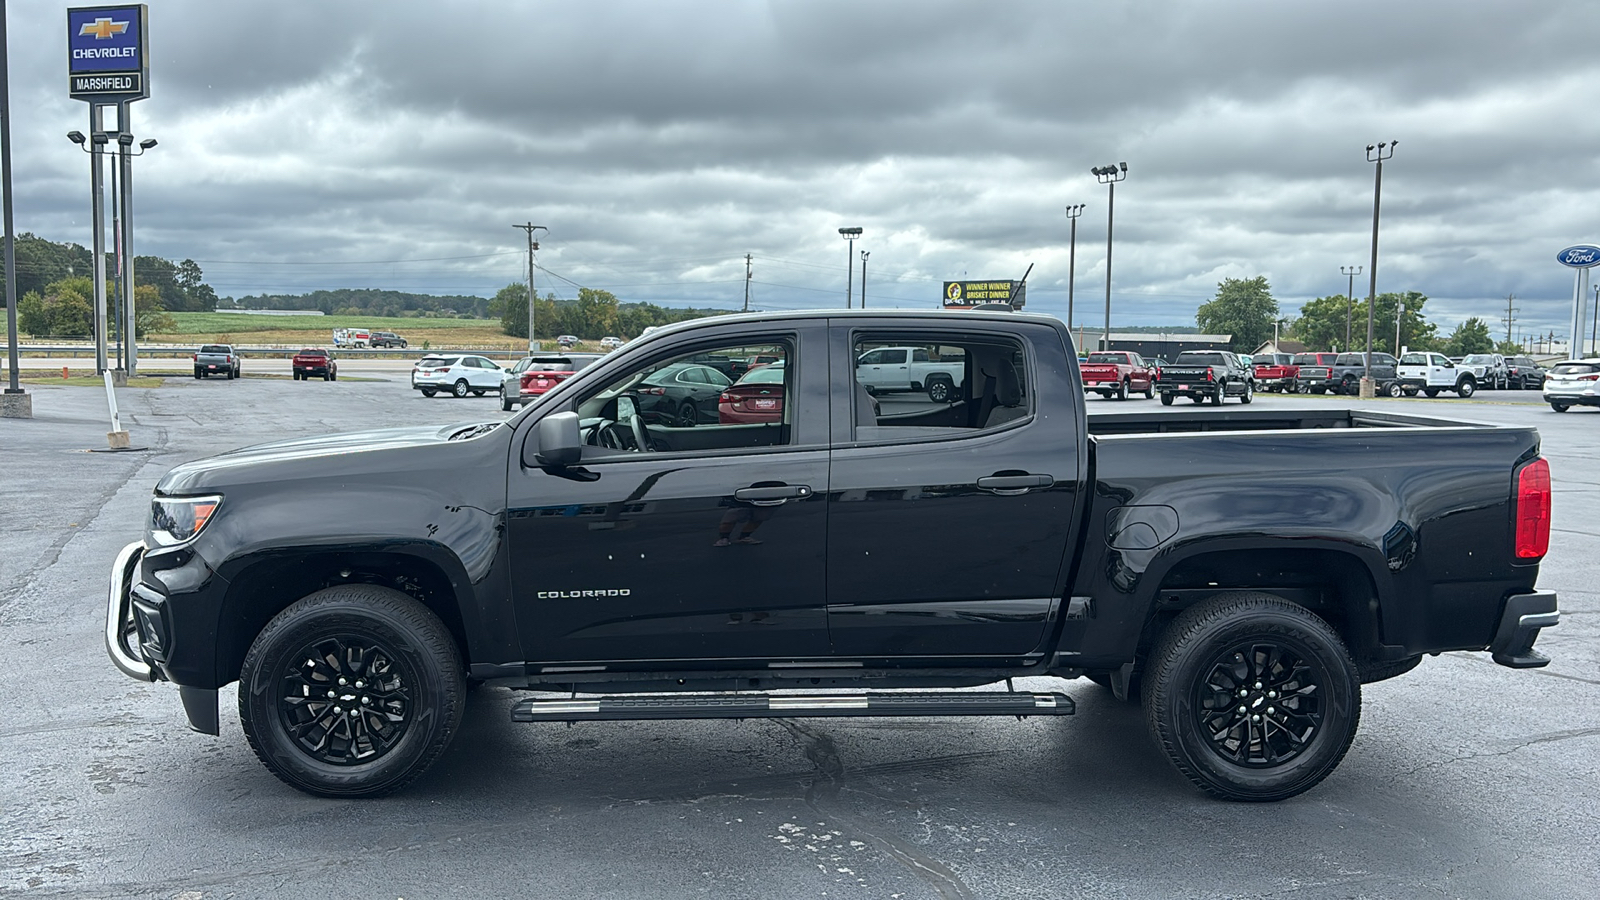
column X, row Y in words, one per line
column 1241, row 572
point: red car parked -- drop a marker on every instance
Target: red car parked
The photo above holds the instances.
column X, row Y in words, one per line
column 1118, row 373
column 1276, row 372
column 756, row 398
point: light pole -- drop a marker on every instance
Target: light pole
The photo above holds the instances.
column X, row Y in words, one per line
column 1399, row 313
column 1375, row 154
column 1349, row 300
column 864, row 255
column 1594, row 327
column 1073, row 212
column 124, row 237
column 15, row 402
column 533, row 245
column 1109, row 176
column 92, row 146
column 850, row 235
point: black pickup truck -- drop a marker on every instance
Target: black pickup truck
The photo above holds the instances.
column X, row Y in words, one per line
column 1203, row 375
column 818, row 552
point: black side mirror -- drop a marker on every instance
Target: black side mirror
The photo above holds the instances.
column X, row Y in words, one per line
column 558, row 441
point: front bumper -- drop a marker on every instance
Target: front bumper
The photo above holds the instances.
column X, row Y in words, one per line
column 137, row 635
column 1519, row 627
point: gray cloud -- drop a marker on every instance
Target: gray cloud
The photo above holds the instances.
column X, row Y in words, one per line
column 302, row 142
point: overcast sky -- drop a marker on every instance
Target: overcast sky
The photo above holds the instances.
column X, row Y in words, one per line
column 331, row 143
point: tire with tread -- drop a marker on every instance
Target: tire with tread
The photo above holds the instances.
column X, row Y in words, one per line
column 1166, row 399
column 1466, row 387
column 461, row 388
column 421, row 655
column 1196, row 645
column 939, row 390
column 1393, row 390
column 1560, row 407
column 429, row 392
column 1249, row 393
column 1122, row 389
column 1431, row 392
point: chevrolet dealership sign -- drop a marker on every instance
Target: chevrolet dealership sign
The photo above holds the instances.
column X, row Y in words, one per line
column 107, row 57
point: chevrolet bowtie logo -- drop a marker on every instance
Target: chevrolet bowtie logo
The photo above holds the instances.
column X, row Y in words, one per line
column 102, row 29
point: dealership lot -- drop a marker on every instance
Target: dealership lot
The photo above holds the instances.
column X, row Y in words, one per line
column 1467, row 779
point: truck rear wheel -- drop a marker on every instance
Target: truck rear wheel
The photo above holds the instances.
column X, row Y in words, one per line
column 1166, row 399
column 939, row 390
column 1122, row 390
column 352, row 691
column 1252, row 697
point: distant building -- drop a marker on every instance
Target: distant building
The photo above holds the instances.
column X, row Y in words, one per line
column 1280, row 347
column 1151, row 345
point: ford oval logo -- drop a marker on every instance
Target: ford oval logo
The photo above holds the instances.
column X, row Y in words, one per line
column 1580, row 257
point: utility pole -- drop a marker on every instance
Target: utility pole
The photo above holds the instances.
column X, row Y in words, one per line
column 864, row 255
column 1349, row 301
column 1510, row 311
column 15, row 402
column 1073, row 212
column 746, row 282
column 533, row 245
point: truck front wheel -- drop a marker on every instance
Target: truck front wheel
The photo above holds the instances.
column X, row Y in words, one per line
column 352, row 691
column 1252, row 697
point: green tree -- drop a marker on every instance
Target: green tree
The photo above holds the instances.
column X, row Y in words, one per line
column 596, row 314
column 1322, row 321
column 163, row 276
column 149, row 316
column 33, row 318
column 1471, row 336
column 68, row 307
column 1416, row 332
column 1244, row 308
column 510, row 303
column 1509, row 348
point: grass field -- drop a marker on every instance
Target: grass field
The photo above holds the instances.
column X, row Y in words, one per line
column 317, row 331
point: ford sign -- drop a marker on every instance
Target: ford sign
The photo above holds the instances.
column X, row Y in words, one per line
column 1580, row 257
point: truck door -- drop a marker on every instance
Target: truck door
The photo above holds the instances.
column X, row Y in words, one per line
column 700, row 540
column 949, row 523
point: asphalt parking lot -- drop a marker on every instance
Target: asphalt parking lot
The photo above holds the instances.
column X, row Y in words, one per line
column 1466, row 779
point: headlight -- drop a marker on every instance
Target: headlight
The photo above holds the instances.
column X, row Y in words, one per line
column 174, row 520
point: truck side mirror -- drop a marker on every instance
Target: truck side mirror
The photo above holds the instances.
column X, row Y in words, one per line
column 559, row 441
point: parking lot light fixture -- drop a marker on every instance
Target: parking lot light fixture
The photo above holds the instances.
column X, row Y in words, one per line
column 1349, row 301
column 1073, row 212
column 849, row 234
column 1109, row 175
column 1376, row 153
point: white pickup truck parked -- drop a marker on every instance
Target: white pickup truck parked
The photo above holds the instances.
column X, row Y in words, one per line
column 890, row 369
column 1431, row 373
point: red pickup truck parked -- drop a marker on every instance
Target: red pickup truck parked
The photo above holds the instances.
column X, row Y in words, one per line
column 1276, row 372
column 312, row 362
column 1117, row 373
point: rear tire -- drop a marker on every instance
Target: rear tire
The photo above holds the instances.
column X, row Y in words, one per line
column 1393, row 389
column 1560, row 407
column 395, row 686
column 1122, row 390
column 505, row 402
column 461, row 388
column 333, row 375
column 1218, row 395
column 1431, row 392
column 1166, row 399
column 1249, row 393
column 939, row 390
column 429, row 392
column 1284, row 659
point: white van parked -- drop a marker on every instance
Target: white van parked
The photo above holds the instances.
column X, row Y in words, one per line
column 1431, row 373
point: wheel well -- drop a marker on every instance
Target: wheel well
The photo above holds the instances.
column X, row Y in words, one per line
column 266, row 588
column 1334, row 585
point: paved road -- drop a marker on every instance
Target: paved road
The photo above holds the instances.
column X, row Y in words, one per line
column 1467, row 779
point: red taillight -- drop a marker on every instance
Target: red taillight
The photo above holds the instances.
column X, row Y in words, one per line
column 1158, row 373
column 195, row 357
column 1210, row 375
column 1589, row 377
column 1533, row 510
column 725, row 397
column 653, row 391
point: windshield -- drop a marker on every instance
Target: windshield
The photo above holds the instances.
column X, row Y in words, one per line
column 1193, row 358
column 1479, row 359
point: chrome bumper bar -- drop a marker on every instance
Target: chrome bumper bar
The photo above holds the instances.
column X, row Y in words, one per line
column 122, row 635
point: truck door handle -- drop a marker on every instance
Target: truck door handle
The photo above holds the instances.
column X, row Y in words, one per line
column 772, row 495
column 1010, row 485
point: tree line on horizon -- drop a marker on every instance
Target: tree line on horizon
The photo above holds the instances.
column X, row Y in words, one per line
column 1246, row 309
column 594, row 314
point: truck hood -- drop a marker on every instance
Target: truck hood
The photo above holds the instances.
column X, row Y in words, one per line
column 333, row 455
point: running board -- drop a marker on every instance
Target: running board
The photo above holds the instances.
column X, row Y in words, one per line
column 759, row 706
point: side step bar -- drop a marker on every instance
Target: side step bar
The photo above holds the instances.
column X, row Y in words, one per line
column 773, row 706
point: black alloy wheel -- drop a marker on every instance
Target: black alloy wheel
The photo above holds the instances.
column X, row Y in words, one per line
column 1252, row 697
column 938, row 390
column 687, row 414
column 1248, row 394
column 461, row 388
column 352, row 691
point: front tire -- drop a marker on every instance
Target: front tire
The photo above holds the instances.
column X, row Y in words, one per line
column 352, row 691
column 461, row 388
column 1431, row 392
column 1283, row 666
column 1466, row 387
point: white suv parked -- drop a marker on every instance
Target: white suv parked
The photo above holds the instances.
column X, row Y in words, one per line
column 456, row 374
column 1431, row 373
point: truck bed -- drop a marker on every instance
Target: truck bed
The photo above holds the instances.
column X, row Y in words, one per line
column 1264, row 420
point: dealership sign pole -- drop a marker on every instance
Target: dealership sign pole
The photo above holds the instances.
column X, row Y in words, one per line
column 108, row 64
column 1581, row 258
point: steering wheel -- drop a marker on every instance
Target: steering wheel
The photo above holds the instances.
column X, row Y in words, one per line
column 640, row 438
column 604, row 436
